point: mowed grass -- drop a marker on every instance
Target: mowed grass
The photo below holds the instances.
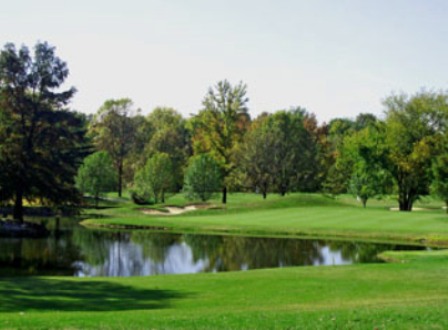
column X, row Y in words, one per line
column 294, row 215
column 405, row 295
column 411, row 293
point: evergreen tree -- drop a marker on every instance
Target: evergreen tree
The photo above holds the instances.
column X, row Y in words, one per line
column 42, row 144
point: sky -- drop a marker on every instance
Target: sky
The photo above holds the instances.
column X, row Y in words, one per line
column 336, row 58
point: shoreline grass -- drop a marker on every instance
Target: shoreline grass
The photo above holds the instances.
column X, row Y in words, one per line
column 296, row 215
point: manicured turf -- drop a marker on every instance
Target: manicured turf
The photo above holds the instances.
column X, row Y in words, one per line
column 410, row 295
column 296, row 214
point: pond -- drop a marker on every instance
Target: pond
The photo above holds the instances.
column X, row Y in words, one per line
column 77, row 251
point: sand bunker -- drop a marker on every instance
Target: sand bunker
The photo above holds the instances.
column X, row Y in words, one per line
column 170, row 210
column 413, row 209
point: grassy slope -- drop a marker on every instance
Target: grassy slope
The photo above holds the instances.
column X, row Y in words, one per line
column 297, row 214
column 409, row 295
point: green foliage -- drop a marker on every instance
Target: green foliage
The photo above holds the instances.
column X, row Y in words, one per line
column 96, row 175
column 364, row 120
column 136, row 157
column 169, row 135
column 202, row 178
column 414, row 124
column 440, row 173
column 220, row 126
column 338, row 128
column 41, row 142
column 155, row 179
column 345, row 138
column 114, row 131
column 256, row 155
column 367, row 182
column 294, row 156
column 280, row 154
column 364, row 154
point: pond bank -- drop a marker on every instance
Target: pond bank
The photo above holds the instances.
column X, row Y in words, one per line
column 428, row 228
column 9, row 228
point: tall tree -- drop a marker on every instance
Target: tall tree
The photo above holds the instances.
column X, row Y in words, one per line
column 279, row 151
column 363, row 155
column 221, row 125
column 340, row 171
column 440, row 175
column 169, row 135
column 295, row 154
column 41, row 142
column 256, row 155
column 137, row 156
column 114, row 131
column 414, row 124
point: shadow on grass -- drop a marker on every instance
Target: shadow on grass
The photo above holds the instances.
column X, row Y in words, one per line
column 39, row 294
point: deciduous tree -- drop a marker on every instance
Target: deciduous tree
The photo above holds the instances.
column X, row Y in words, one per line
column 413, row 125
column 256, row 155
column 295, row 154
column 156, row 177
column 114, row 131
column 440, row 180
column 221, row 125
column 364, row 155
column 96, row 175
column 202, row 177
column 169, row 135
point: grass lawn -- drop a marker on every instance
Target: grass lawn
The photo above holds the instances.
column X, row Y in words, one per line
column 404, row 295
column 296, row 215
column 411, row 292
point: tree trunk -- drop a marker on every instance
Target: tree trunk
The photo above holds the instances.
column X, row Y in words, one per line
column 405, row 203
column 224, row 195
column 265, row 190
column 282, row 190
column 17, row 251
column 120, row 178
column 163, row 197
column 18, row 205
column 364, row 202
column 57, row 229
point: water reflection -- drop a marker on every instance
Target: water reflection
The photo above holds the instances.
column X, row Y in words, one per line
column 82, row 252
column 50, row 256
column 129, row 259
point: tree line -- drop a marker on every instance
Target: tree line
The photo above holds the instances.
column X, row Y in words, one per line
column 52, row 154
